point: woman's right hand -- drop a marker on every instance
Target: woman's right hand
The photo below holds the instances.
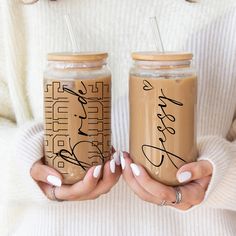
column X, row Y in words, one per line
column 91, row 187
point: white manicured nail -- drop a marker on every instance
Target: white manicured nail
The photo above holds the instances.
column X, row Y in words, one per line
column 112, row 166
column 184, row 176
column 55, row 181
column 135, row 169
column 116, row 157
column 97, row 171
column 122, row 160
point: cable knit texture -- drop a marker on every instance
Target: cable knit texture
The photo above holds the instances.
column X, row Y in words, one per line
column 29, row 149
column 29, row 32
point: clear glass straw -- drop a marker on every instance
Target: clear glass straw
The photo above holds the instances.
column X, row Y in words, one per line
column 156, row 33
column 71, row 33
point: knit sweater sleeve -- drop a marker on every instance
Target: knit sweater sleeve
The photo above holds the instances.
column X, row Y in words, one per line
column 221, row 192
column 20, row 145
column 216, row 108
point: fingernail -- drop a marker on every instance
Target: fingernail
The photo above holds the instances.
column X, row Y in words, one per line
column 184, row 176
column 122, row 160
column 116, row 157
column 112, row 166
column 55, row 181
column 97, row 171
column 135, row 169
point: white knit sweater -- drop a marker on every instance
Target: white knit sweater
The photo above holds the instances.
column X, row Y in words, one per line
column 27, row 33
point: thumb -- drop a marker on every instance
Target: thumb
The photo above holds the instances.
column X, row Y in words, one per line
column 46, row 174
column 194, row 171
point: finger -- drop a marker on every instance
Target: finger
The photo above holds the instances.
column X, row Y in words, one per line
column 204, row 182
column 182, row 206
column 81, row 188
column 111, row 175
column 46, row 174
column 47, row 190
column 152, row 186
column 116, row 157
column 194, row 170
column 192, row 193
column 132, row 182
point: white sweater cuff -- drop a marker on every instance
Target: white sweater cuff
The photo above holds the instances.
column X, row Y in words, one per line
column 221, row 192
column 29, row 149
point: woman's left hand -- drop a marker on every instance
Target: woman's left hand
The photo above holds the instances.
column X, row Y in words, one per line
column 197, row 176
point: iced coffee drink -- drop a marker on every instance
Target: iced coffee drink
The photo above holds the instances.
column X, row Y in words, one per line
column 77, row 102
column 163, row 97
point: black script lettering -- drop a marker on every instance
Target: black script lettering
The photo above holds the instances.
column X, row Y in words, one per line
column 163, row 129
column 82, row 100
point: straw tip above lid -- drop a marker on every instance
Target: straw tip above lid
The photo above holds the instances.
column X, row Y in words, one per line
column 160, row 56
column 77, row 56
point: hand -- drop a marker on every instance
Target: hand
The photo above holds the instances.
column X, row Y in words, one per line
column 197, row 176
column 91, row 187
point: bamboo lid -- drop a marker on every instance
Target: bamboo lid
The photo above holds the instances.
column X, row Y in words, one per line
column 159, row 56
column 78, row 56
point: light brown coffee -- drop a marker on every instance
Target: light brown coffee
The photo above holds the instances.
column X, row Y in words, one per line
column 162, row 124
column 77, row 125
